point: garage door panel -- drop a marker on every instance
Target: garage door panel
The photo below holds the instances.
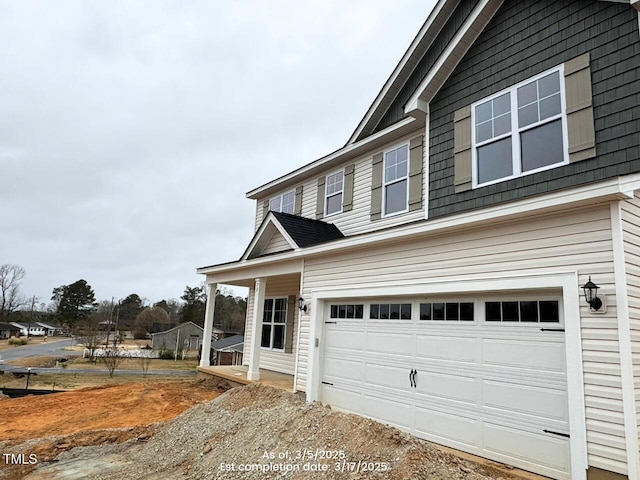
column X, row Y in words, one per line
column 387, row 376
column 395, row 412
column 344, row 339
column 545, row 403
column 488, row 388
column 526, row 355
column 452, row 430
column 397, row 344
column 342, row 399
column 343, row 369
column 450, row 387
column 528, row 449
column 458, row 349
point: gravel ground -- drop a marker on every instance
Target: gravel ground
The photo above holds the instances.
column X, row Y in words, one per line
column 258, row 432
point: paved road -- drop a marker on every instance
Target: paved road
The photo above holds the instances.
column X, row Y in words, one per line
column 102, row 371
column 46, row 349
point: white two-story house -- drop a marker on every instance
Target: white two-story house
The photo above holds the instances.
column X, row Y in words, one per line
column 429, row 274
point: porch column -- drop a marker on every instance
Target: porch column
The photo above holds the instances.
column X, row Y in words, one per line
column 205, row 355
column 256, row 329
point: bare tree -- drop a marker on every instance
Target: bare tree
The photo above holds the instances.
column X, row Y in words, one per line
column 11, row 277
column 112, row 358
column 90, row 333
column 144, row 359
column 145, row 320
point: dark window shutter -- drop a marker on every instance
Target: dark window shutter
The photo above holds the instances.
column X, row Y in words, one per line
column 291, row 312
column 297, row 206
column 347, row 189
column 415, row 173
column 320, row 199
column 376, row 186
column 579, row 100
column 462, row 149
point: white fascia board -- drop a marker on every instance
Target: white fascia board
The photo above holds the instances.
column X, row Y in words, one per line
column 455, row 51
column 269, row 220
column 595, row 193
column 426, row 28
column 403, row 126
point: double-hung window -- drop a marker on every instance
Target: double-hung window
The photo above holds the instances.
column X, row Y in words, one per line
column 274, row 323
column 283, row 203
column 333, row 194
column 396, row 180
column 520, row 131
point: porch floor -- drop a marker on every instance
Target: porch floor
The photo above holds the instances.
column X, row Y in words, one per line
column 238, row 374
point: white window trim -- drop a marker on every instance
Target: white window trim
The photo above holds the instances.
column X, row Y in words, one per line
column 280, row 199
column 326, row 194
column 516, row 131
column 272, row 323
column 385, row 184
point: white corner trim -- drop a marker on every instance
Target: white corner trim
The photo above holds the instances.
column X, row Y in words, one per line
column 297, row 362
column 426, row 165
column 565, row 280
column 624, row 336
column 481, row 15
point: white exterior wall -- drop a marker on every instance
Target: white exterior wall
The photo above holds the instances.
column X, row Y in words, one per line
column 579, row 240
column 631, row 238
column 277, row 243
column 358, row 219
column 269, row 359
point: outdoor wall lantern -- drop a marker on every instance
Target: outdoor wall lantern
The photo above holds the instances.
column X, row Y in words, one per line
column 591, row 295
column 302, row 305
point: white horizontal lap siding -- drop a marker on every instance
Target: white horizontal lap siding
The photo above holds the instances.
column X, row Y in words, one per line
column 578, row 240
column 277, row 243
column 358, row 220
column 259, row 213
column 271, row 359
column 631, row 239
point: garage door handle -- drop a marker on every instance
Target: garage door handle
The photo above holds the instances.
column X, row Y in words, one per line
column 411, row 378
column 415, row 384
column 565, row 435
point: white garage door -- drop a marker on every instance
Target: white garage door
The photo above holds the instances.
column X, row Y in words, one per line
column 484, row 376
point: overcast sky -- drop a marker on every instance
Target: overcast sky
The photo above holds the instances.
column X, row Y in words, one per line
column 130, row 131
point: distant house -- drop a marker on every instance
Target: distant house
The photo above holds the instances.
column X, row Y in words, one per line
column 34, row 329
column 227, row 351
column 186, row 336
column 8, row 330
column 49, row 329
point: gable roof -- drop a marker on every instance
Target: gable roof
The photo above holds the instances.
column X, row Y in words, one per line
column 299, row 232
column 8, row 326
column 177, row 327
column 228, row 342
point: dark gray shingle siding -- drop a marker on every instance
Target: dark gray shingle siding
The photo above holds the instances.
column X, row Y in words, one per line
column 525, row 38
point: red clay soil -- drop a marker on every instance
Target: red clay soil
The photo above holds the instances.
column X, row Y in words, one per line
column 98, row 408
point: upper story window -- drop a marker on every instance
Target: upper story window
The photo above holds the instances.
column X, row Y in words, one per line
column 333, row 194
column 283, row 203
column 396, row 180
column 520, row 131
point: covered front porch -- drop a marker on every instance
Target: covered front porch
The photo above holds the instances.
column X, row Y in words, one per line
column 271, row 326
